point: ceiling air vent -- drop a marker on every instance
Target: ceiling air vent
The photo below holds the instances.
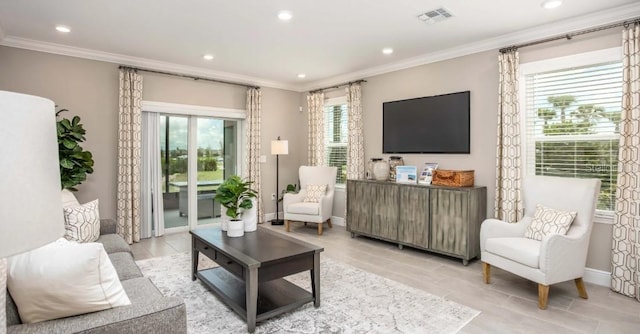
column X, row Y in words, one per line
column 435, row 15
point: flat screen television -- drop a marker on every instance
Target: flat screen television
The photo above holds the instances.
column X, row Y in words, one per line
column 432, row 124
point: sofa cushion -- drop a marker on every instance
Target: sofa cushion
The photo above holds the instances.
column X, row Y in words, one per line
column 13, row 317
column 63, row 279
column 141, row 290
column 68, row 198
column 82, row 222
column 304, row 208
column 114, row 243
column 125, row 266
column 522, row 250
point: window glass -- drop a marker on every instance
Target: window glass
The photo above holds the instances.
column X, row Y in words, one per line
column 572, row 125
column 336, row 139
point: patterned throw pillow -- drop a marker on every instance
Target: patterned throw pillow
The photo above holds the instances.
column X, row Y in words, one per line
column 82, row 222
column 548, row 221
column 314, row 192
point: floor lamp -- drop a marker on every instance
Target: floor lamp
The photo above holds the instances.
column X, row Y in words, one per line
column 278, row 147
column 30, row 202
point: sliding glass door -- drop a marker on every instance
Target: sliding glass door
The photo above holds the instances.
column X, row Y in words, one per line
column 196, row 154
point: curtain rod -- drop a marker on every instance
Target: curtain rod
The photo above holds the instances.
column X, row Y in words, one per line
column 571, row 35
column 337, row 86
column 188, row 76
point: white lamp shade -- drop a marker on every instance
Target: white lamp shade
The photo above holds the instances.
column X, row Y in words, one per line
column 279, row 147
column 30, row 200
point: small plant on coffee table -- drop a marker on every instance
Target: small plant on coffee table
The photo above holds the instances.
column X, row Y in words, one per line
column 235, row 195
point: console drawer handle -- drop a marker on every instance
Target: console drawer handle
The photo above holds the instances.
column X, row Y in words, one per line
column 205, row 247
column 229, row 262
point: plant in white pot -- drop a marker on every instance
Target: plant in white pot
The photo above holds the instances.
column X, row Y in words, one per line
column 236, row 196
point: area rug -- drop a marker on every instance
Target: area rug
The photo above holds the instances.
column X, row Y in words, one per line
column 352, row 301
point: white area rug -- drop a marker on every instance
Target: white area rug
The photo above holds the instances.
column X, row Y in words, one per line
column 352, row 301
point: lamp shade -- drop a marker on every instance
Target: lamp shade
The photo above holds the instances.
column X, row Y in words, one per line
column 30, row 202
column 279, row 146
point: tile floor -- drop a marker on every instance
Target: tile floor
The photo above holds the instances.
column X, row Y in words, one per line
column 508, row 304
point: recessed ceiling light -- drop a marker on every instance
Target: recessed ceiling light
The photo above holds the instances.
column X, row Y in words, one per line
column 208, row 57
column 285, row 15
column 63, row 29
column 387, row 51
column 302, row 75
column 551, row 4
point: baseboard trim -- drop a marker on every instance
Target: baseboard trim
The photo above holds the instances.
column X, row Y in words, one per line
column 597, row 277
column 334, row 220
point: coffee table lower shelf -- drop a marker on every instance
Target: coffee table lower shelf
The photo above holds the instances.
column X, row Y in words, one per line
column 274, row 297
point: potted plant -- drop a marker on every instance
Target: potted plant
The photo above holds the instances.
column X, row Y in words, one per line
column 235, row 194
column 75, row 162
column 291, row 188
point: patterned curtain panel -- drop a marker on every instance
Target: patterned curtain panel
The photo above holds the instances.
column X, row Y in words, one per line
column 508, row 204
column 129, row 155
column 625, row 268
column 252, row 145
column 316, row 129
column 355, row 146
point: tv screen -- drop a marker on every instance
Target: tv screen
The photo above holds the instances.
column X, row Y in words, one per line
column 432, row 124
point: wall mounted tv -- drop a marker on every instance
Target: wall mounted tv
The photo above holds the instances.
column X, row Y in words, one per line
column 432, row 124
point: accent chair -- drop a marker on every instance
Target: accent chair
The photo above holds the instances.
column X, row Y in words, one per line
column 314, row 202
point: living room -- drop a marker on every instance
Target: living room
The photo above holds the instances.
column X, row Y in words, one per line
column 83, row 76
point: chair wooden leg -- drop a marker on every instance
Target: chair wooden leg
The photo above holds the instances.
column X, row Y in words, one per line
column 329, row 223
column 582, row 292
column 286, row 224
column 320, row 229
column 486, row 272
column 543, row 296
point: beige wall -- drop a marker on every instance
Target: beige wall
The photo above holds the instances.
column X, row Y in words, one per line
column 89, row 89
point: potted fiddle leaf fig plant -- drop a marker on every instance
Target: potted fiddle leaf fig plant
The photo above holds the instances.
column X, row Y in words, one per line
column 75, row 162
column 235, row 194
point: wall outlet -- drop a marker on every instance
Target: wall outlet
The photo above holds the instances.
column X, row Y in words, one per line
column 273, row 196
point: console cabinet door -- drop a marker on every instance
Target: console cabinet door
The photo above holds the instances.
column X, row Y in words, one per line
column 358, row 207
column 449, row 221
column 384, row 209
column 413, row 228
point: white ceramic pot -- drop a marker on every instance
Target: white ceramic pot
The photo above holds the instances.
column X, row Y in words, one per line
column 236, row 228
column 381, row 170
column 224, row 224
column 250, row 217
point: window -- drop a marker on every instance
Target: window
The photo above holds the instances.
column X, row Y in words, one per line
column 336, row 136
column 572, row 114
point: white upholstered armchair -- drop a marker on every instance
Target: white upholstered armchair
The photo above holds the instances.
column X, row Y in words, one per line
column 555, row 258
column 314, row 202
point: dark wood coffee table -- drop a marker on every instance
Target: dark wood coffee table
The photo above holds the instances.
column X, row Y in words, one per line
column 249, row 279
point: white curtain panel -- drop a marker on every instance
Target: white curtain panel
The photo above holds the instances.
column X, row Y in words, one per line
column 355, row 146
column 129, row 155
column 625, row 273
column 508, row 202
column 315, row 101
column 152, row 201
column 252, row 145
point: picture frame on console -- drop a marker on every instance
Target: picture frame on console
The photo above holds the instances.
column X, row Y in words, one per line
column 406, row 174
column 427, row 173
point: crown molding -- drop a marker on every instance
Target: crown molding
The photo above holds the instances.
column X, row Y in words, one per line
column 65, row 50
column 549, row 30
column 602, row 18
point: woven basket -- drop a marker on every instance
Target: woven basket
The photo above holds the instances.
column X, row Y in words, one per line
column 452, row 178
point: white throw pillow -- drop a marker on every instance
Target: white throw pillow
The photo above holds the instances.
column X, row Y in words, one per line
column 63, row 279
column 68, row 198
column 314, row 192
column 82, row 222
column 548, row 221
